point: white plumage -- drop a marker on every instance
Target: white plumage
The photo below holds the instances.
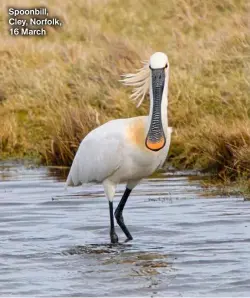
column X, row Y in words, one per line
column 115, row 152
column 106, row 153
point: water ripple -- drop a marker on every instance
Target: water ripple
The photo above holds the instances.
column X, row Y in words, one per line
column 56, row 242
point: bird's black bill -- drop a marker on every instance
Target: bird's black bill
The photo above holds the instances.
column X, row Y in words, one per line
column 156, row 139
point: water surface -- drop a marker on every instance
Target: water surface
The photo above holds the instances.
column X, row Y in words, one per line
column 56, row 242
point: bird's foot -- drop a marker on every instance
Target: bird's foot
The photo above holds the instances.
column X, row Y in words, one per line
column 128, row 239
column 113, row 237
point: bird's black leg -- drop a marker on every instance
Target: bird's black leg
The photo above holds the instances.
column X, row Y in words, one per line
column 113, row 236
column 118, row 213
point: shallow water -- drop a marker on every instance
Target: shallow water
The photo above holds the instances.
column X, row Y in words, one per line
column 56, row 242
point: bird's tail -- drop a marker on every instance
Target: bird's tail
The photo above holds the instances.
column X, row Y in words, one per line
column 73, row 176
column 69, row 181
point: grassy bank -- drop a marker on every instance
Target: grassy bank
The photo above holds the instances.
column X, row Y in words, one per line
column 54, row 89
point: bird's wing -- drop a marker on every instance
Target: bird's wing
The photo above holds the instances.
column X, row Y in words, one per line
column 98, row 157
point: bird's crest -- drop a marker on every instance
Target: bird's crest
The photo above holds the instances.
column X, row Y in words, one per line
column 140, row 81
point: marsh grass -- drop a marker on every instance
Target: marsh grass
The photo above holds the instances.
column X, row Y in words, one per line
column 54, row 90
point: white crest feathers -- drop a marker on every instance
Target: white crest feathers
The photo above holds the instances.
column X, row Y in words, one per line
column 140, row 81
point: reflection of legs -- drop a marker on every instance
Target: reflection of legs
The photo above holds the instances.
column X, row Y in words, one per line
column 118, row 213
column 113, row 236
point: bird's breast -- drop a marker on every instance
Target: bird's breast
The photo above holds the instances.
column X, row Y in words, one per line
column 136, row 133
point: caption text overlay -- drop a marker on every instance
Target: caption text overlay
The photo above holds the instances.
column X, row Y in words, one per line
column 31, row 21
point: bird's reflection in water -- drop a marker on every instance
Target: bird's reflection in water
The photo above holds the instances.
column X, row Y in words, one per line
column 141, row 263
column 94, row 249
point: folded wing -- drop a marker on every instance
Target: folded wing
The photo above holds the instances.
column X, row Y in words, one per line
column 97, row 158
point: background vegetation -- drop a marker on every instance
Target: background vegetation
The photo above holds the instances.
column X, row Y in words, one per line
column 54, row 89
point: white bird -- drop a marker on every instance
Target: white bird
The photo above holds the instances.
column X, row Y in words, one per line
column 128, row 150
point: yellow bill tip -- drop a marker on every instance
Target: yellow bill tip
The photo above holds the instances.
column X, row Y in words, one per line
column 155, row 146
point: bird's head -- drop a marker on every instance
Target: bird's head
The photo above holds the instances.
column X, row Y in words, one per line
column 159, row 72
column 158, row 60
column 142, row 80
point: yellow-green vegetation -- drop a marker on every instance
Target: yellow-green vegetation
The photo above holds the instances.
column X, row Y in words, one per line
column 55, row 89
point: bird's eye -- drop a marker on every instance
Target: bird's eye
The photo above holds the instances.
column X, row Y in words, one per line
column 166, row 66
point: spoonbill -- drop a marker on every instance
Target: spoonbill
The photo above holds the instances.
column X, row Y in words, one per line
column 128, row 150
